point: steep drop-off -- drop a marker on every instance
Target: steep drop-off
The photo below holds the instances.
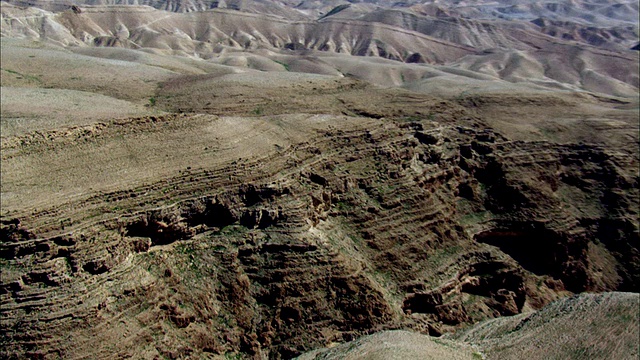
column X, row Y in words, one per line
column 423, row 222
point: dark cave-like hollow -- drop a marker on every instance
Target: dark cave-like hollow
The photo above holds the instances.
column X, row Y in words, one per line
column 536, row 250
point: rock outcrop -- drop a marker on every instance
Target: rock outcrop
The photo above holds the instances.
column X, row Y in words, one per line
column 412, row 224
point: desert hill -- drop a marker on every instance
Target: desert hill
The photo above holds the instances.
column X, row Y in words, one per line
column 310, row 226
column 512, row 51
column 588, row 326
column 563, row 329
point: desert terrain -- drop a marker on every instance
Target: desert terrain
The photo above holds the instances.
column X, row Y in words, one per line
column 319, row 179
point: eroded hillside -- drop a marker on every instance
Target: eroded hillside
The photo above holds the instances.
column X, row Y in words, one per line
column 570, row 46
column 273, row 235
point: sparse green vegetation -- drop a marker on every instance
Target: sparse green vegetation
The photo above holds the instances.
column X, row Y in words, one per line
column 219, row 248
column 233, row 230
column 343, row 206
column 438, row 257
column 475, row 218
column 24, row 76
column 285, row 65
column 185, row 248
column 232, row 356
column 335, row 10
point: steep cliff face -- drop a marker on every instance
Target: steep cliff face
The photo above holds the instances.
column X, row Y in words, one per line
column 361, row 225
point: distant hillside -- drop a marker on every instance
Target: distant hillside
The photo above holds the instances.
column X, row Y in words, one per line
column 542, row 53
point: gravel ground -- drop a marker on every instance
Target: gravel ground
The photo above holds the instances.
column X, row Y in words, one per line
column 29, row 109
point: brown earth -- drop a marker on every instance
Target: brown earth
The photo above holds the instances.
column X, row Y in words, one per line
column 271, row 235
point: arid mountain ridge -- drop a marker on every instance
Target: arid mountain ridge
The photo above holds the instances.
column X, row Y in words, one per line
column 520, row 49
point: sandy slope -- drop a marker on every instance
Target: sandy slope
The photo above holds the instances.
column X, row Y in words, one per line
column 29, row 109
column 588, row 326
column 515, row 52
column 28, row 64
column 395, row 345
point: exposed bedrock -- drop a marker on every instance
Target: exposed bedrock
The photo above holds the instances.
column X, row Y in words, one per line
column 411, row 224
